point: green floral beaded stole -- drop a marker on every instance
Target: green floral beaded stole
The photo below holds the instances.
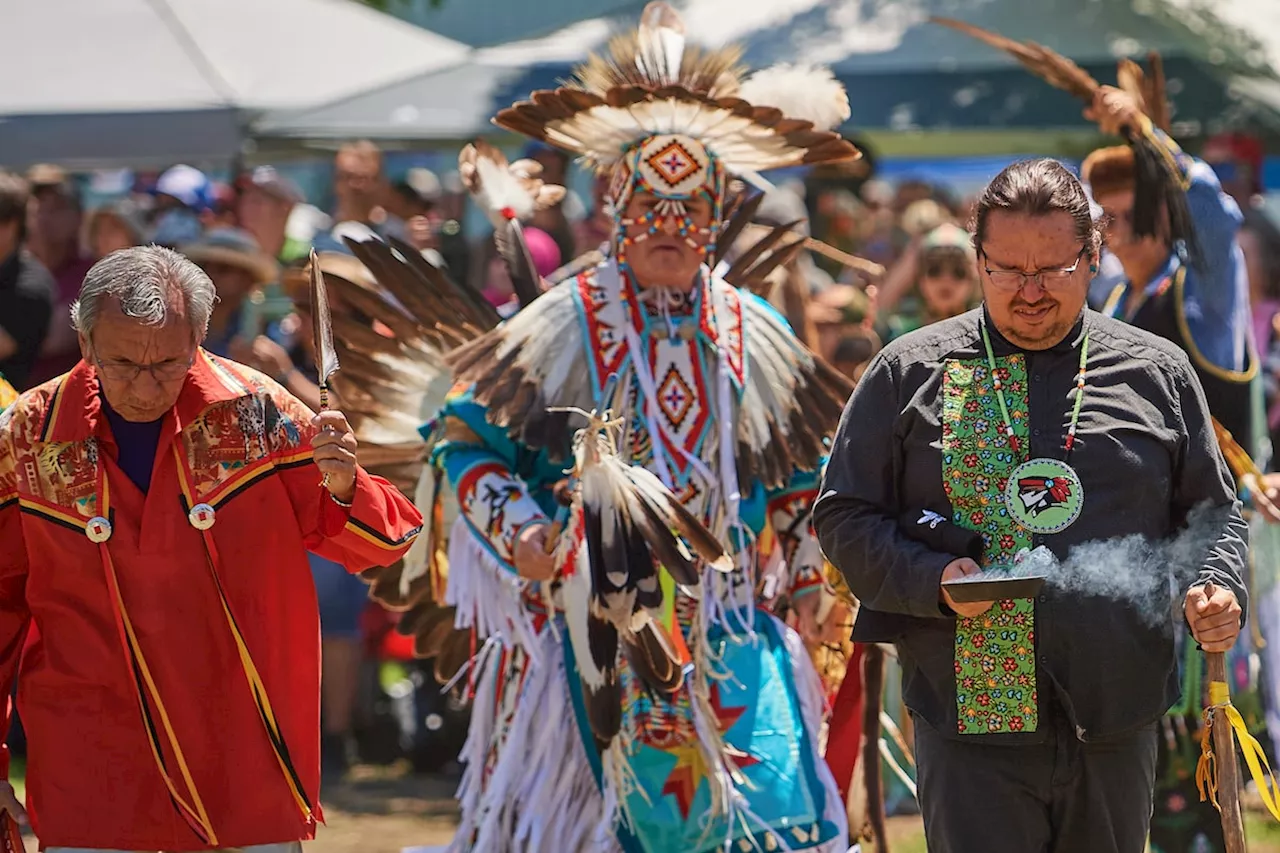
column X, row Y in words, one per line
column 995, row 652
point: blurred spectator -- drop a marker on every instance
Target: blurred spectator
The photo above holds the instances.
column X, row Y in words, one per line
column 359, row 191
column 237, row 266
column 553, row 220
column 26, row 287
column 221, row 212
column 935, row 279
column 306, row 221
column 836, row 312
column 414, row 214
column 911, row 191
column 182, row 195
column 265, row 199
column 1237, row 160
column 497, row 287
column 921, row 217
column 846, row 223
column 53, row 236
column 854, row 352
column 114, row 227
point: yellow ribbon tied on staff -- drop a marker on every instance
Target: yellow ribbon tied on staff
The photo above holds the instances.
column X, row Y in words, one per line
column 1255, row 758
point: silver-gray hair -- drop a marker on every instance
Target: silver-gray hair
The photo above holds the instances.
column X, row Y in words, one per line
column 142, row 278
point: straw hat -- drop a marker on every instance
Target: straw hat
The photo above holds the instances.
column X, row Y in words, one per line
column 237, row 248
column 296, row 280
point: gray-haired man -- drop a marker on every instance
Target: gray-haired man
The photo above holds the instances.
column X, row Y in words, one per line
column 156, row 508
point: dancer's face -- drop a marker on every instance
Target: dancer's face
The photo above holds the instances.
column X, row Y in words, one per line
column 665, row 258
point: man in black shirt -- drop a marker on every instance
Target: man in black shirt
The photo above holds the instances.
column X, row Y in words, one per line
column 1034, row 422
column 26, row 287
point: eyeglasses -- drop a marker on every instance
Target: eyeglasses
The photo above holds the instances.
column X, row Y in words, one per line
column 127, row 371
column 1051, row 278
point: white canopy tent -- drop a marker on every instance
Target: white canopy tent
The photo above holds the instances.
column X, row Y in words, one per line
column 98, row 83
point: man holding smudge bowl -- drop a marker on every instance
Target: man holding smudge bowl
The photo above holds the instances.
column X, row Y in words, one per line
column 1032, row 421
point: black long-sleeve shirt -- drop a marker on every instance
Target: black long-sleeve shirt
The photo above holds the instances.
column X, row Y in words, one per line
column 1146, row 456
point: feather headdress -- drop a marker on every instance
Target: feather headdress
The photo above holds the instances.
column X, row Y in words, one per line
column 652, row 82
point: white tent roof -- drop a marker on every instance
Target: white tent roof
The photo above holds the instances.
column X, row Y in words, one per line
column 95, row 56
column 93, row 59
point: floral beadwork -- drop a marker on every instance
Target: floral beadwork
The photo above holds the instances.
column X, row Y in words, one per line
column 995, row 652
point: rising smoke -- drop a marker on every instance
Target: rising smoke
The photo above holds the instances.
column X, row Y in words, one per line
column 1145, row 574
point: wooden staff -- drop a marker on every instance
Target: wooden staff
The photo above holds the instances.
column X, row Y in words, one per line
column 1245, row 469
column 1218, row 772
column 1228, row 766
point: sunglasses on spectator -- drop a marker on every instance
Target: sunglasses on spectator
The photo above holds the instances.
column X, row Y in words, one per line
column 942, row 270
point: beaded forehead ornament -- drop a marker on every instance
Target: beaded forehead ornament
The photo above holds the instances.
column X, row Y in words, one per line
column 673, row 168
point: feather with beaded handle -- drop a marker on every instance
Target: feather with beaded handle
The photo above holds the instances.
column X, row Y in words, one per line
column 322, row 329
column 326, row 355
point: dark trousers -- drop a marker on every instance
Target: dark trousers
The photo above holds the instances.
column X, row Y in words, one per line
column 1060, row 796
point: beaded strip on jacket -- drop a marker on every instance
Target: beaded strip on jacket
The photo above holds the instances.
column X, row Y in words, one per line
column 1070, row 441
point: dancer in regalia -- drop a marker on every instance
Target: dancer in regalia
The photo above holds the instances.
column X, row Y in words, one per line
column 581, row 739
column 635, row 691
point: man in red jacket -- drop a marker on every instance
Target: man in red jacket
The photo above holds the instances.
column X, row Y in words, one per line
column 156, row 507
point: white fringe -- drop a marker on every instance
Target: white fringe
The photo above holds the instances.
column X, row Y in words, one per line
column 812, row 709
column 487, row 595
column 479, row 737
column 540, row 795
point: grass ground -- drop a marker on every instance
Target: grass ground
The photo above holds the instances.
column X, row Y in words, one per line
column 385, row 811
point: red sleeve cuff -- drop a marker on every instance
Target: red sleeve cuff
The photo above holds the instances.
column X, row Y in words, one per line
column 333, row 515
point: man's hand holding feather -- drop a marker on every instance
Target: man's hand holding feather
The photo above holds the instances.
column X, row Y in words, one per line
column 335, row 453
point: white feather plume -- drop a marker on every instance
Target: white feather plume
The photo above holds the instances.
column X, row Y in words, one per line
column 503, row 190
column 500, row 190
column 800, row 92
column 661, row 42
